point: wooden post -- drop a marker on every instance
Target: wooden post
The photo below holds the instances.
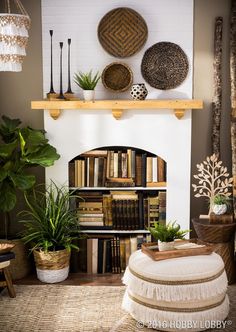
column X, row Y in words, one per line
column 233, row 95
column 217, row 99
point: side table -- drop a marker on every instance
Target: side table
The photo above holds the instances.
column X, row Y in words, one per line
column 221, row 238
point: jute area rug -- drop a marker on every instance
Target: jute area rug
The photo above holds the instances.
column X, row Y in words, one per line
column 60, row 308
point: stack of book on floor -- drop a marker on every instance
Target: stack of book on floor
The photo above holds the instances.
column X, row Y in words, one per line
column 117, row 168
column 108, row 255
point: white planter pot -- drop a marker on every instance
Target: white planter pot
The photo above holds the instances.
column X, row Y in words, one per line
column 89, row 94
column 164, row 246
column 219, row 209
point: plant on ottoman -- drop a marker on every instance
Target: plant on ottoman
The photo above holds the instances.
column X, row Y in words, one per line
column 166, row 234
column 50, row 227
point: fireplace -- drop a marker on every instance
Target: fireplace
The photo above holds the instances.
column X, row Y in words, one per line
column 161, row 133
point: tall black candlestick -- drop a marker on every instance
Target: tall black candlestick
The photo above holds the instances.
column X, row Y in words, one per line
column 61, row 96
column 51, row 84
column 69, row 83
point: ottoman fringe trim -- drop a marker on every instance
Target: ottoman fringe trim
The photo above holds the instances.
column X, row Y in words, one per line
column 176, row 291
column 177, row 282
column 157, row 307
column 156, row 317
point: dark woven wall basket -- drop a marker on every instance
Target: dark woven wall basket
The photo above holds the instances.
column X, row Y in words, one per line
column 117, row 77
column 122, row 32
column 164, row 66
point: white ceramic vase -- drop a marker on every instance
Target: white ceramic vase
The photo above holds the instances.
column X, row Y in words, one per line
column 164, row 246
column 89, row 95
column 219, row 209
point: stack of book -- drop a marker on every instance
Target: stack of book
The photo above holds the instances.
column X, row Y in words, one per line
column 122, row 210
column 162, row 206
column 108, row 255
column 90, row 209
column 117, row 168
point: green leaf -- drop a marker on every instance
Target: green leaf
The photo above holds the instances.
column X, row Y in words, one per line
column 44, row 157
column 22, row 143
column 23, row 181
column 8, row 129
column 7, row 149
column 3, row 174
column 7, row 197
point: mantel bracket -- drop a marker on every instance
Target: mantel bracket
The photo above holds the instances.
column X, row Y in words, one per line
column 179, row 113
column 55, row 113
column 117, row 113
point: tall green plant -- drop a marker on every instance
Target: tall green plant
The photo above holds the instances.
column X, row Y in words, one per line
column 20, row 149
column 49, row 221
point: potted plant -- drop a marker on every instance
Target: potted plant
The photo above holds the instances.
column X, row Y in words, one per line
column 220, row 204
column 51, row 226
column 20, row 149
column 165, row 234
column 87, row 82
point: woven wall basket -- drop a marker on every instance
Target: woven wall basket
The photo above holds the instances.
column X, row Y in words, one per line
column 117, row 77
column 13, row 37
column 122, row 32
column 164, row 66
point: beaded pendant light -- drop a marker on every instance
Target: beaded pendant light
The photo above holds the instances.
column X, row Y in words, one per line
column 13, row 36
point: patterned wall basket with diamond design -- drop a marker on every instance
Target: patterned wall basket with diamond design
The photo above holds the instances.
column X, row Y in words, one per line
column 122, row 32
column 164, row 66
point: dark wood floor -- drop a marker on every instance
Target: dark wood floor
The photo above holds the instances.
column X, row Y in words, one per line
column 78, row 279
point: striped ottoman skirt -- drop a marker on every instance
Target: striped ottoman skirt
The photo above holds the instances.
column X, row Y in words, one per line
column 179, row 294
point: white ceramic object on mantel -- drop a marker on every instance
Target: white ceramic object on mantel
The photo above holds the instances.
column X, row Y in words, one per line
column 89, row 94
column 219, row 209
column 163, row 246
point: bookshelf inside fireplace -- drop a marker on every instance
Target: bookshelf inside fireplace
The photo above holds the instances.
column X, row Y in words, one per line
column 123, row 192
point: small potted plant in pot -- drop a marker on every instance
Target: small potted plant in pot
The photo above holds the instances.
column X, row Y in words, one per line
column 51, row 226
column 220, row 204
column 87, row 82
column 166, row 234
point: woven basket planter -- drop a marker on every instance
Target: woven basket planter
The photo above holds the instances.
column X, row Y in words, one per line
column 52, row 266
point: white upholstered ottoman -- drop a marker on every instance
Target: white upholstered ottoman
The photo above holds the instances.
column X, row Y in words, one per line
column 178, row 294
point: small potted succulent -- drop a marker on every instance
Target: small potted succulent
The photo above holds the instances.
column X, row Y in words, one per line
column 87, row 82
column 166, row 234
column 220, row 204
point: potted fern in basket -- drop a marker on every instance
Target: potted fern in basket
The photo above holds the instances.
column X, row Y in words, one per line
column 87, row 82
column 166, row 234
column 51, row 226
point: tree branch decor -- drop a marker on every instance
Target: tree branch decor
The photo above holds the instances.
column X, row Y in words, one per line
column 217, row 99
column 213, row 179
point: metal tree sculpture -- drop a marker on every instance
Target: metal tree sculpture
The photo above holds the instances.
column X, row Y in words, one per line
column 213, row 178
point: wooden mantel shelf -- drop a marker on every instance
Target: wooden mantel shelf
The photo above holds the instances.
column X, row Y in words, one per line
column 117, row 106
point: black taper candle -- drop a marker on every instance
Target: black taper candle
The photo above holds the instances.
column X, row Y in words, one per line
column 61, row 96
column 69, row 82
column 51, row 84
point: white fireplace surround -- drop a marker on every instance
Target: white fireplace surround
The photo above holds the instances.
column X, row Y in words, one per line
column 161, row 133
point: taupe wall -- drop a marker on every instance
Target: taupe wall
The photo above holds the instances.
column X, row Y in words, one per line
column 18, row 89
column 205, row 13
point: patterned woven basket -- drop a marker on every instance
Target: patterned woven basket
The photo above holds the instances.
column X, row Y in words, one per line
column 122, row 32
column 117, row 77
column 164, row 66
